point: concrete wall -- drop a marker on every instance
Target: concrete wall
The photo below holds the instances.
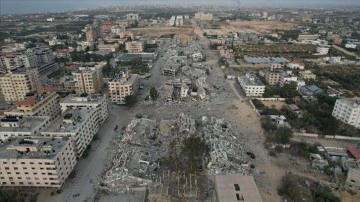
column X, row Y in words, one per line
column 337, row 137
column 271, row 99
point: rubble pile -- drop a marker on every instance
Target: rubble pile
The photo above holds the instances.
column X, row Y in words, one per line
column 145, row 142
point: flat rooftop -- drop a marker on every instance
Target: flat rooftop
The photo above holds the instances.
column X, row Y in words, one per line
column 69, row 121
column 253, row 81
column 26, row 123
column 124, row 81
column 353, row 102
column 236, row 187
column 354, row 174
column 32, row 148
column 83, row 98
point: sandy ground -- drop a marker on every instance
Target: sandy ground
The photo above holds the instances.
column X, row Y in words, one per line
column 277, row 104
column 255, row 26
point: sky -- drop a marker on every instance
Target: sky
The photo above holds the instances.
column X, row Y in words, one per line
column 33, row 6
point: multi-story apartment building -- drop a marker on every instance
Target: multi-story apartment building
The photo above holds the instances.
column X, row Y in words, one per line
column 96, row 101
column 116, row 30
column 348, row 111
column 14, row 60
column 79, row 124
column 132, row 16
column 44, row 56
column 18, row 82
column 43, row 103
column 251, row 85
column 21, row 126
column 322, row 50
column 273, row 77
column 134, row 46
column 36, row 162
column 303, row 37
column 89, row 79
column 127, row 34
column 92, row 34
column 204, row 16
column 307, row 74
column 276, row 66
column 123, row 86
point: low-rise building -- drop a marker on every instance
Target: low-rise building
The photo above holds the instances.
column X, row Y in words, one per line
column 134, row 46
column 287, row 78
column 296, row 65
column 43, row 103
column 204, row 16
column 352, row 182
column 123, row 86
column 307, row 74
column 80, row 125
column 322, row 50
column 310, row 90
column 109, row 47
column 276, row 66
column 347, row 111
column 236, row 187
column 96, row 101
column 251, row 85
column 36, row 162
column 21, row 126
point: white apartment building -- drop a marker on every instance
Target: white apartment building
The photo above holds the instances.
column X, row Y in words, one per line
column 204, row 16
column 172, row 21
column 350, row 45
column 179, row 20
column 89, row 79
column 134, row 46
column 132, row 16
column 286, row 78
column 116, row 30
column 296, row 65
column 36, row 162
column 44, row 103
column 21, row 126
column 80, row 125
column 121, row 87
column 348, row 111
column 96, row 101
column 251, row 85
column 18, row 82
column 322, row 50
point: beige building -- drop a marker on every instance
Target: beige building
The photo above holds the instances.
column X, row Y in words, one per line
column 307, row 74
column 97, row 102
column 236, row 187
column 79, row 124
column 89, row 79
column 251, row 85
column 204, row 16
column 36, row 162
column 134, row 46
column 273, row 77
column 119, row 88
column 17, row 83
column 21, row 126
column 44, row 103
column 92, row 34
column 126, row 34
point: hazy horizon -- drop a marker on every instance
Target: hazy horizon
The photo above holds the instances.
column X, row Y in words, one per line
column 35, row 6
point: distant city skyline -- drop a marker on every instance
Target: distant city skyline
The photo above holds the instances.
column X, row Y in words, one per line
column 35, row 6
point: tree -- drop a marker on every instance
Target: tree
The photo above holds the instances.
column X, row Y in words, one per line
column 154, row 94
column 281, row 135
column 194, row 150
column 130, row 100
column 205, row 34
column 324, row 194
column 87, row 49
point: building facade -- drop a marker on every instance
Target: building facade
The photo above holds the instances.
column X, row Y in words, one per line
column 273, row 77
column 251, row 85
column 36, row 162
column 119, row 88
column 17, row 83
column 44, row 103
column 307, row 74
column 80, row 125
column 14, row 60
column 347, row 111
column 204, row 16
column 134, row 46
column 89, row 79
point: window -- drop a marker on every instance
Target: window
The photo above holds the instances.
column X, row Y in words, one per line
column 237, row 187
